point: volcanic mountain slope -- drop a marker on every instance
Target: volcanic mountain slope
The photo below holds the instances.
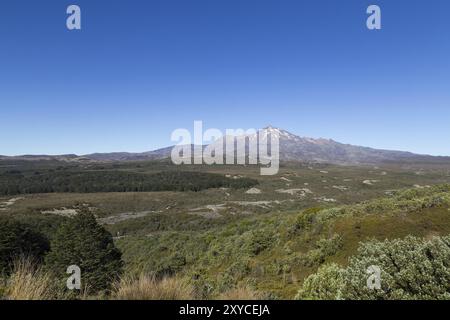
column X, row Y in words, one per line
column 292, row 148
column 295, row 148
column 303, row 149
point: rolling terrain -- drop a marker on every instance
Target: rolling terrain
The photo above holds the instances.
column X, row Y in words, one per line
column 222, row 228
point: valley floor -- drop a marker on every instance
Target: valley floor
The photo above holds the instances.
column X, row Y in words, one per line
column 266, row 239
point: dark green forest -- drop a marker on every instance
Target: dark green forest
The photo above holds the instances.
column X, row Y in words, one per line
column 15, row 182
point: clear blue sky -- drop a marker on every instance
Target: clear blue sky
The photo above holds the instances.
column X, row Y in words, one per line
column 140, row 69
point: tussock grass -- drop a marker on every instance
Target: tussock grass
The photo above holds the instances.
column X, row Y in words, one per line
column 29, row 282
column 146, row 287
column 242, row 292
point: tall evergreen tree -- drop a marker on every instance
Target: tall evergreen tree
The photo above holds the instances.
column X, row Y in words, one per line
column 83, row 242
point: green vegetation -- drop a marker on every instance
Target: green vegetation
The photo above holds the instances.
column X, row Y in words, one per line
column 304, row 234
column 275, row 253
column 36, row 268
column 29, row 281
column 18, row 239
column 411, row 268
column 15, row 182
column 83, row 242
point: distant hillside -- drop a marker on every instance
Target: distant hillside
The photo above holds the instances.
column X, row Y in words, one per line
column 295, row 148
column 292, row 148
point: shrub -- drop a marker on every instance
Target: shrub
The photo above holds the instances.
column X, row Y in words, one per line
column 403, row 201
column 83, row 242
column 201, row 284
column 326, row 284
column 260, row 241
column 240, row 268
column 304, row 221
column 43, row 224
column 324, row 248
column 18, row 239
column 171, row 265
column 411, row 268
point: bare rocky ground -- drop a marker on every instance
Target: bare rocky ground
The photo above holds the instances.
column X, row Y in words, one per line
column 8, row 203
column 123, row 217
column 64, row 212
column 253, row 191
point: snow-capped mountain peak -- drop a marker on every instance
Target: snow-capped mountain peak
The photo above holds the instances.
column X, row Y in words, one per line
column 280, row 133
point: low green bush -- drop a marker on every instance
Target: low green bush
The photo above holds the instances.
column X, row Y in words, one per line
column 323, row 248
column 411, row 268
column 260, row 241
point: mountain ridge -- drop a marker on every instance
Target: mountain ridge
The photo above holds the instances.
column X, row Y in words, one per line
column 292, row 148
